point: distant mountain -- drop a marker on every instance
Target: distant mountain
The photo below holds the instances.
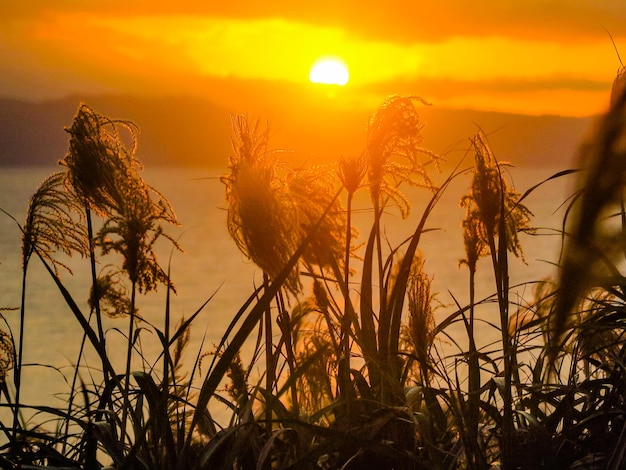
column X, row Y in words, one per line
column 188, row 131
column 519, row 139
column 172, row 130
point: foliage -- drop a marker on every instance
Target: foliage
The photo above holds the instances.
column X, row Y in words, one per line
column 363, row 365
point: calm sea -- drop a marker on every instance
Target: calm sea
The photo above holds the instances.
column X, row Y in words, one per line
column 211, row 265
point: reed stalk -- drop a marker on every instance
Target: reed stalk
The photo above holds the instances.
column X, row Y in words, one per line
column 345, row 386
column 474, row 249
column 500, row 216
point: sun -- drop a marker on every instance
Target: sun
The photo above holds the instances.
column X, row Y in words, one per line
column 329, row 71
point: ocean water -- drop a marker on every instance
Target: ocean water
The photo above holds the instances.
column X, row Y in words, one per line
column 212, row 267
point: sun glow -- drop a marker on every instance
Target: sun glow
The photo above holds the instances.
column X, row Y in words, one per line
column 329, row 71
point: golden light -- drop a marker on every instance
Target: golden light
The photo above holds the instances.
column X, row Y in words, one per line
column 329, row 71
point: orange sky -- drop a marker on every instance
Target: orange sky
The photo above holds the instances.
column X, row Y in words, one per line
column 535, row 56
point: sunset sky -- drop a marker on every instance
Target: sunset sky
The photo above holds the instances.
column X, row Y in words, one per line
column 533, row 56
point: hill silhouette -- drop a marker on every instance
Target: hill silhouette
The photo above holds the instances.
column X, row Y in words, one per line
column 196, row 132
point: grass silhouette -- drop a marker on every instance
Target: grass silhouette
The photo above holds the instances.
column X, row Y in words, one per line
column 357, row 372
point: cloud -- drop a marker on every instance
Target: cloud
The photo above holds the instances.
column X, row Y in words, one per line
column 278, row 49
column 456, row 50
column 393, row 20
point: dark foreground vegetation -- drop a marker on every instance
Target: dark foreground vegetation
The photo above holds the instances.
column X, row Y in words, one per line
column 356, row 372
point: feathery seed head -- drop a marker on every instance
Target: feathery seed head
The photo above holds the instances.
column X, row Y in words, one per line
column 393, row 149
column 104, row 173
column 7, row 353
column 312, row 193
column 487, row 185
column 262, row 219
column 53, row 223
column 112, row 296
column 473, row 239
column 97, row 160
column 490, row 197
column 352, row 171
column 421, row 318
column 134, row 231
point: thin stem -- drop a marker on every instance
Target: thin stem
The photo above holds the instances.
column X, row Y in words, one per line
column 94, row 276
column 499, row 260
column 270, row 366
column 384, row 316
column 344, row 364
column 18, row 363
column 473, row 392
column 166, row 341
column 129, row 350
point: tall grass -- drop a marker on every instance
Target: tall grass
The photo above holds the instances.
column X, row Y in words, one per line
column 363, row 365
